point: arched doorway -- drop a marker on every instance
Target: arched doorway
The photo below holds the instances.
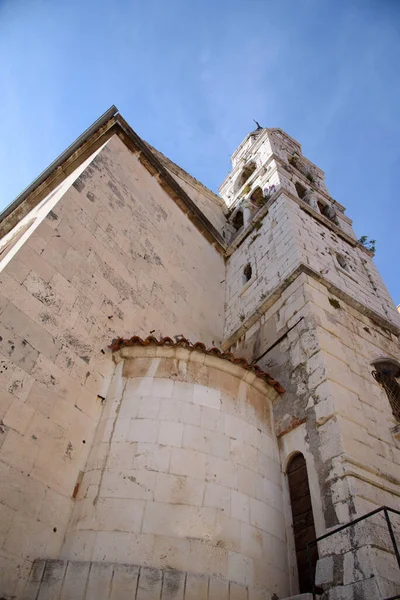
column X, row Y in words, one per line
column 303, row 521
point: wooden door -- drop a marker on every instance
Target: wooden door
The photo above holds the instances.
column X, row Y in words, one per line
column 303, row 521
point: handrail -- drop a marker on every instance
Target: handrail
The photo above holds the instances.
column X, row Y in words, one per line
column 386, row 510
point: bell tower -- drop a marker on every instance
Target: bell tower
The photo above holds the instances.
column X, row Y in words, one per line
column 305, row 301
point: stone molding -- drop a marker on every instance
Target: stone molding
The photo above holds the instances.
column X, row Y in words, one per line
column 183, row 349
column 69, row 580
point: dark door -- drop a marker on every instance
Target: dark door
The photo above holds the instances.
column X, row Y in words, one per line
column 303, row 521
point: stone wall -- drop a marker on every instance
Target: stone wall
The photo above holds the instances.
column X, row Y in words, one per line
column 286, row 237
column 114, row 256
column 272, row 252
column 184, row 473
column 336, row 414
column 69, row 580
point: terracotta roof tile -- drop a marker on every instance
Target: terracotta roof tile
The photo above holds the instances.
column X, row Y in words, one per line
column 135, row 340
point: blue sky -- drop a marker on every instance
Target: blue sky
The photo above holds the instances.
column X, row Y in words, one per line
column 190, row 75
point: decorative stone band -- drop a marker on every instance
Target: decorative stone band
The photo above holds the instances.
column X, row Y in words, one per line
column 113, row 581
column 135, row 340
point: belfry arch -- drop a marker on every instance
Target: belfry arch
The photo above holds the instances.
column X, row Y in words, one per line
column 247, row 172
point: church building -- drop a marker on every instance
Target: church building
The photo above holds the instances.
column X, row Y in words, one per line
column 199, row 393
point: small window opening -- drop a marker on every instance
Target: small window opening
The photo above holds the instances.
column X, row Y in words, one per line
column 245, row 175
column 237, row 220
column 342, row 261
column 323, row 209
column 387, row 374
column 301, row 190
column 257, row 197
column 247, row 272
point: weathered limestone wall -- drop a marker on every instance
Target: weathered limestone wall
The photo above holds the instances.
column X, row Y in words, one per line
column 320, row 247
column 336, row 414
column 285, row 238
column 184, row 474
column 272, row 252
column 114, row 256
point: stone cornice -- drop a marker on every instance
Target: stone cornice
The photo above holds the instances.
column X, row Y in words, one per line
column 135, row 341
column 357, row 468
column 190, row 180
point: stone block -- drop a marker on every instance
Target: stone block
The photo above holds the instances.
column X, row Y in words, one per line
column 191, row 414
column 204, row 440
column 188, row 462
column 222, row 472
column 178, row 489
column 143, row 430
column 170, row 409
column 217, row 496
column 196, row 587
column 240, row 506
column 325, row 571
column 238, row 592
column 74, row 584
column 205, row 396
column 218, row 589
column 174, row 520
column 114, row 514
column 31, row 591
column 240, row 569
column 170, row 433
column 212, row 419
column 251, row 543
column 124, row 582
column 122, row 547
column 173, row 585
column 99, row 582
column 150, row 582
column 153, row 457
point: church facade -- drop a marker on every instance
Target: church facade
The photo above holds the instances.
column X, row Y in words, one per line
column 194, row 388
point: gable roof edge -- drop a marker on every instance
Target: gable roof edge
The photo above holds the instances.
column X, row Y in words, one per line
column 109, row 124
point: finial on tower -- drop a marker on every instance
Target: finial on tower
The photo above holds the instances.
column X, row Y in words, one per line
column 258, row 124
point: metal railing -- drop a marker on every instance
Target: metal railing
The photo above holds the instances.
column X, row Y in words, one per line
column 386, row 510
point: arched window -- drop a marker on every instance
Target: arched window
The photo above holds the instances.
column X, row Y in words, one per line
column 237, row 220
column 387, row 374
column 245, row 175
column 342, row 261
column 257, row 197
column 247, row 273
column 323, row 209
column 300, row 189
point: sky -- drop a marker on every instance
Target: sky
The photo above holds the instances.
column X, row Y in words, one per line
column 191, row 75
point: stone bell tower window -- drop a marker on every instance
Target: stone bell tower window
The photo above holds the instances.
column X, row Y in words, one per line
column 237, row 220
column 245, row 175
column 301, row 190
column 323, row 209
column 387, row 374
column 257, row 197
column 247, row 272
